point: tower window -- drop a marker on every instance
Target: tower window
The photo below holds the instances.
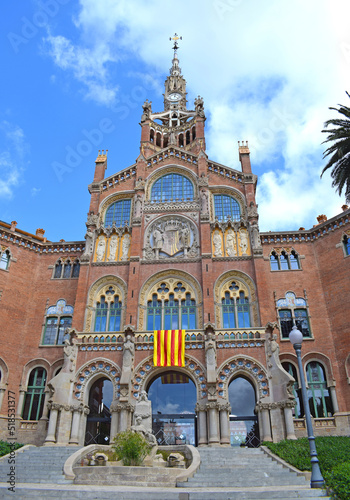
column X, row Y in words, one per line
column 118, row 213
column 226, row 207
column 172, row 187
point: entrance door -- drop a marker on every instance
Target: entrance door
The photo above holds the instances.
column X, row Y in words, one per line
column 98, row 423
column 244, row 428
column 173, row 396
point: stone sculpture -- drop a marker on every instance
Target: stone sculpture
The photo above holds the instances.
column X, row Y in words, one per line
column 231, row 243
column 101, row 248
column 113, row 247
column 217, row 244
column 125, row 246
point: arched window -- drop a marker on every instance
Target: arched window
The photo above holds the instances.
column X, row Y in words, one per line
column 58, row 319
column 235, row 308
column 346, row 243
column 292, row 310
column 226, row 207
column 167, row 312
column 5, row 260
column 318, row 394
column 299, row 407
column 35, row 395
column 118, row 213
column 64, row 269
column 284, row 261
column 172, row 187
column 108, row 312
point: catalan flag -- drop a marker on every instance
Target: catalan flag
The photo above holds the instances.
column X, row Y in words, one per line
column 169, row 348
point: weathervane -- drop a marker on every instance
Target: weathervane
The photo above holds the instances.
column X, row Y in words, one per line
column 175, row 38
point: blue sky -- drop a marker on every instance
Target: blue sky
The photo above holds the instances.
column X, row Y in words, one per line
column 75, row 75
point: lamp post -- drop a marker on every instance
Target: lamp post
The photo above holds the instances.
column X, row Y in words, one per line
column 317, row 481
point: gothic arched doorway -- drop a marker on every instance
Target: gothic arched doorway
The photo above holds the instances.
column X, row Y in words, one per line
column 173, row 395
column 244, row 429
column 98, row 423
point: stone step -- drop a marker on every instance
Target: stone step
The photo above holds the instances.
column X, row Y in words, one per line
column 27, row 492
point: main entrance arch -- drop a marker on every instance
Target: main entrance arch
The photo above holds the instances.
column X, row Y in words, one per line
column 98, row 423
column 244, row 427
column 173, row 395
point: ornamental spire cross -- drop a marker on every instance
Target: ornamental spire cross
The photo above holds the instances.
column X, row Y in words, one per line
column 176, row 37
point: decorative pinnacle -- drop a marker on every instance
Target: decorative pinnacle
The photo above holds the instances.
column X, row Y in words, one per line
column 176, row 37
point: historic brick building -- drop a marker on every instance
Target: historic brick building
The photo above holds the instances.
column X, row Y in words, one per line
column 173, row 242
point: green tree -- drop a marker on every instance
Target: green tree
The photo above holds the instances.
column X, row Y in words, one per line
column 339, row 151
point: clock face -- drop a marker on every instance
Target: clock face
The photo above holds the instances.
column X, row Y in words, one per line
column 175, row 96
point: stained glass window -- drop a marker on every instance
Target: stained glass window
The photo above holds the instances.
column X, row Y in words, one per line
column 172, row 187
column 119, row 213
column 226, row 207
column 35, row 395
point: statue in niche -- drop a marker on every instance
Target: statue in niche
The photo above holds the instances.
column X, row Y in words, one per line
column 128, row 352
column 256, row 235
column 101, row 248
column 217, row 244
column 252, row 210
column 244, row 241
column 147, row 110
column 210, row 356
column 231, row 243
column 125, row 246
column 204, row 201
column 185, row 237
column 113, row 248
column 138, row 205
column 157, row 240
column 89, row 245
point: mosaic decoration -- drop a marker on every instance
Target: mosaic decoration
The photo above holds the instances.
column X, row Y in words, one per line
column 90, row 369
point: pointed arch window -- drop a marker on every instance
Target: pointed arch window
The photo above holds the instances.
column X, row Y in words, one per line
column 171, row 313
column 108, row 313
column 226, row 207
column 292, row 311
column 284, row 261
column 235, row 308
column 318, row 393
column 172, row 187
column 118, row 213
column 5, row 260
column 35, row 395
column 66, row 269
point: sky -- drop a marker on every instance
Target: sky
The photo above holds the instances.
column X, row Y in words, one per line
column 76, row 73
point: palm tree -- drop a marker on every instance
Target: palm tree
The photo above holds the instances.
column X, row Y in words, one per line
column 339, row 150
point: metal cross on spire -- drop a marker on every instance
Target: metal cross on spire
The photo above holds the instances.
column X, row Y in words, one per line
column 175, row 38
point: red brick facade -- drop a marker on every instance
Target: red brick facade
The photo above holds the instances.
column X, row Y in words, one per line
column 206, row 263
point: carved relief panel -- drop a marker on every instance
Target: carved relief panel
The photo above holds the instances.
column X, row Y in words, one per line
column 171, row 237
column 112, row 247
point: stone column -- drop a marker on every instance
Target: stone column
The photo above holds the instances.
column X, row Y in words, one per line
column 265, row 421
column 288, row 419
column 74, row 436
column 22, row 393
column 334, row 399
column 213, row 423
column 126, row 410
column 202, row 425
column 224, row 424
column 51, row 432
column 115, row 410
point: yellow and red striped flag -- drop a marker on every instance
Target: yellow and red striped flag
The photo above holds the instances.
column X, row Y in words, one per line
column 169, row 348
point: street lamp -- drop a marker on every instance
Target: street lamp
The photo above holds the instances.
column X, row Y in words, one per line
column 317, row 481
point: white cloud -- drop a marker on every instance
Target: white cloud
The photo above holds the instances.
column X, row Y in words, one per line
column 12, row 158
column 268, row 71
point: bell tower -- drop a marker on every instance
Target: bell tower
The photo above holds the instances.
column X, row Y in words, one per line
column 176, row 125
